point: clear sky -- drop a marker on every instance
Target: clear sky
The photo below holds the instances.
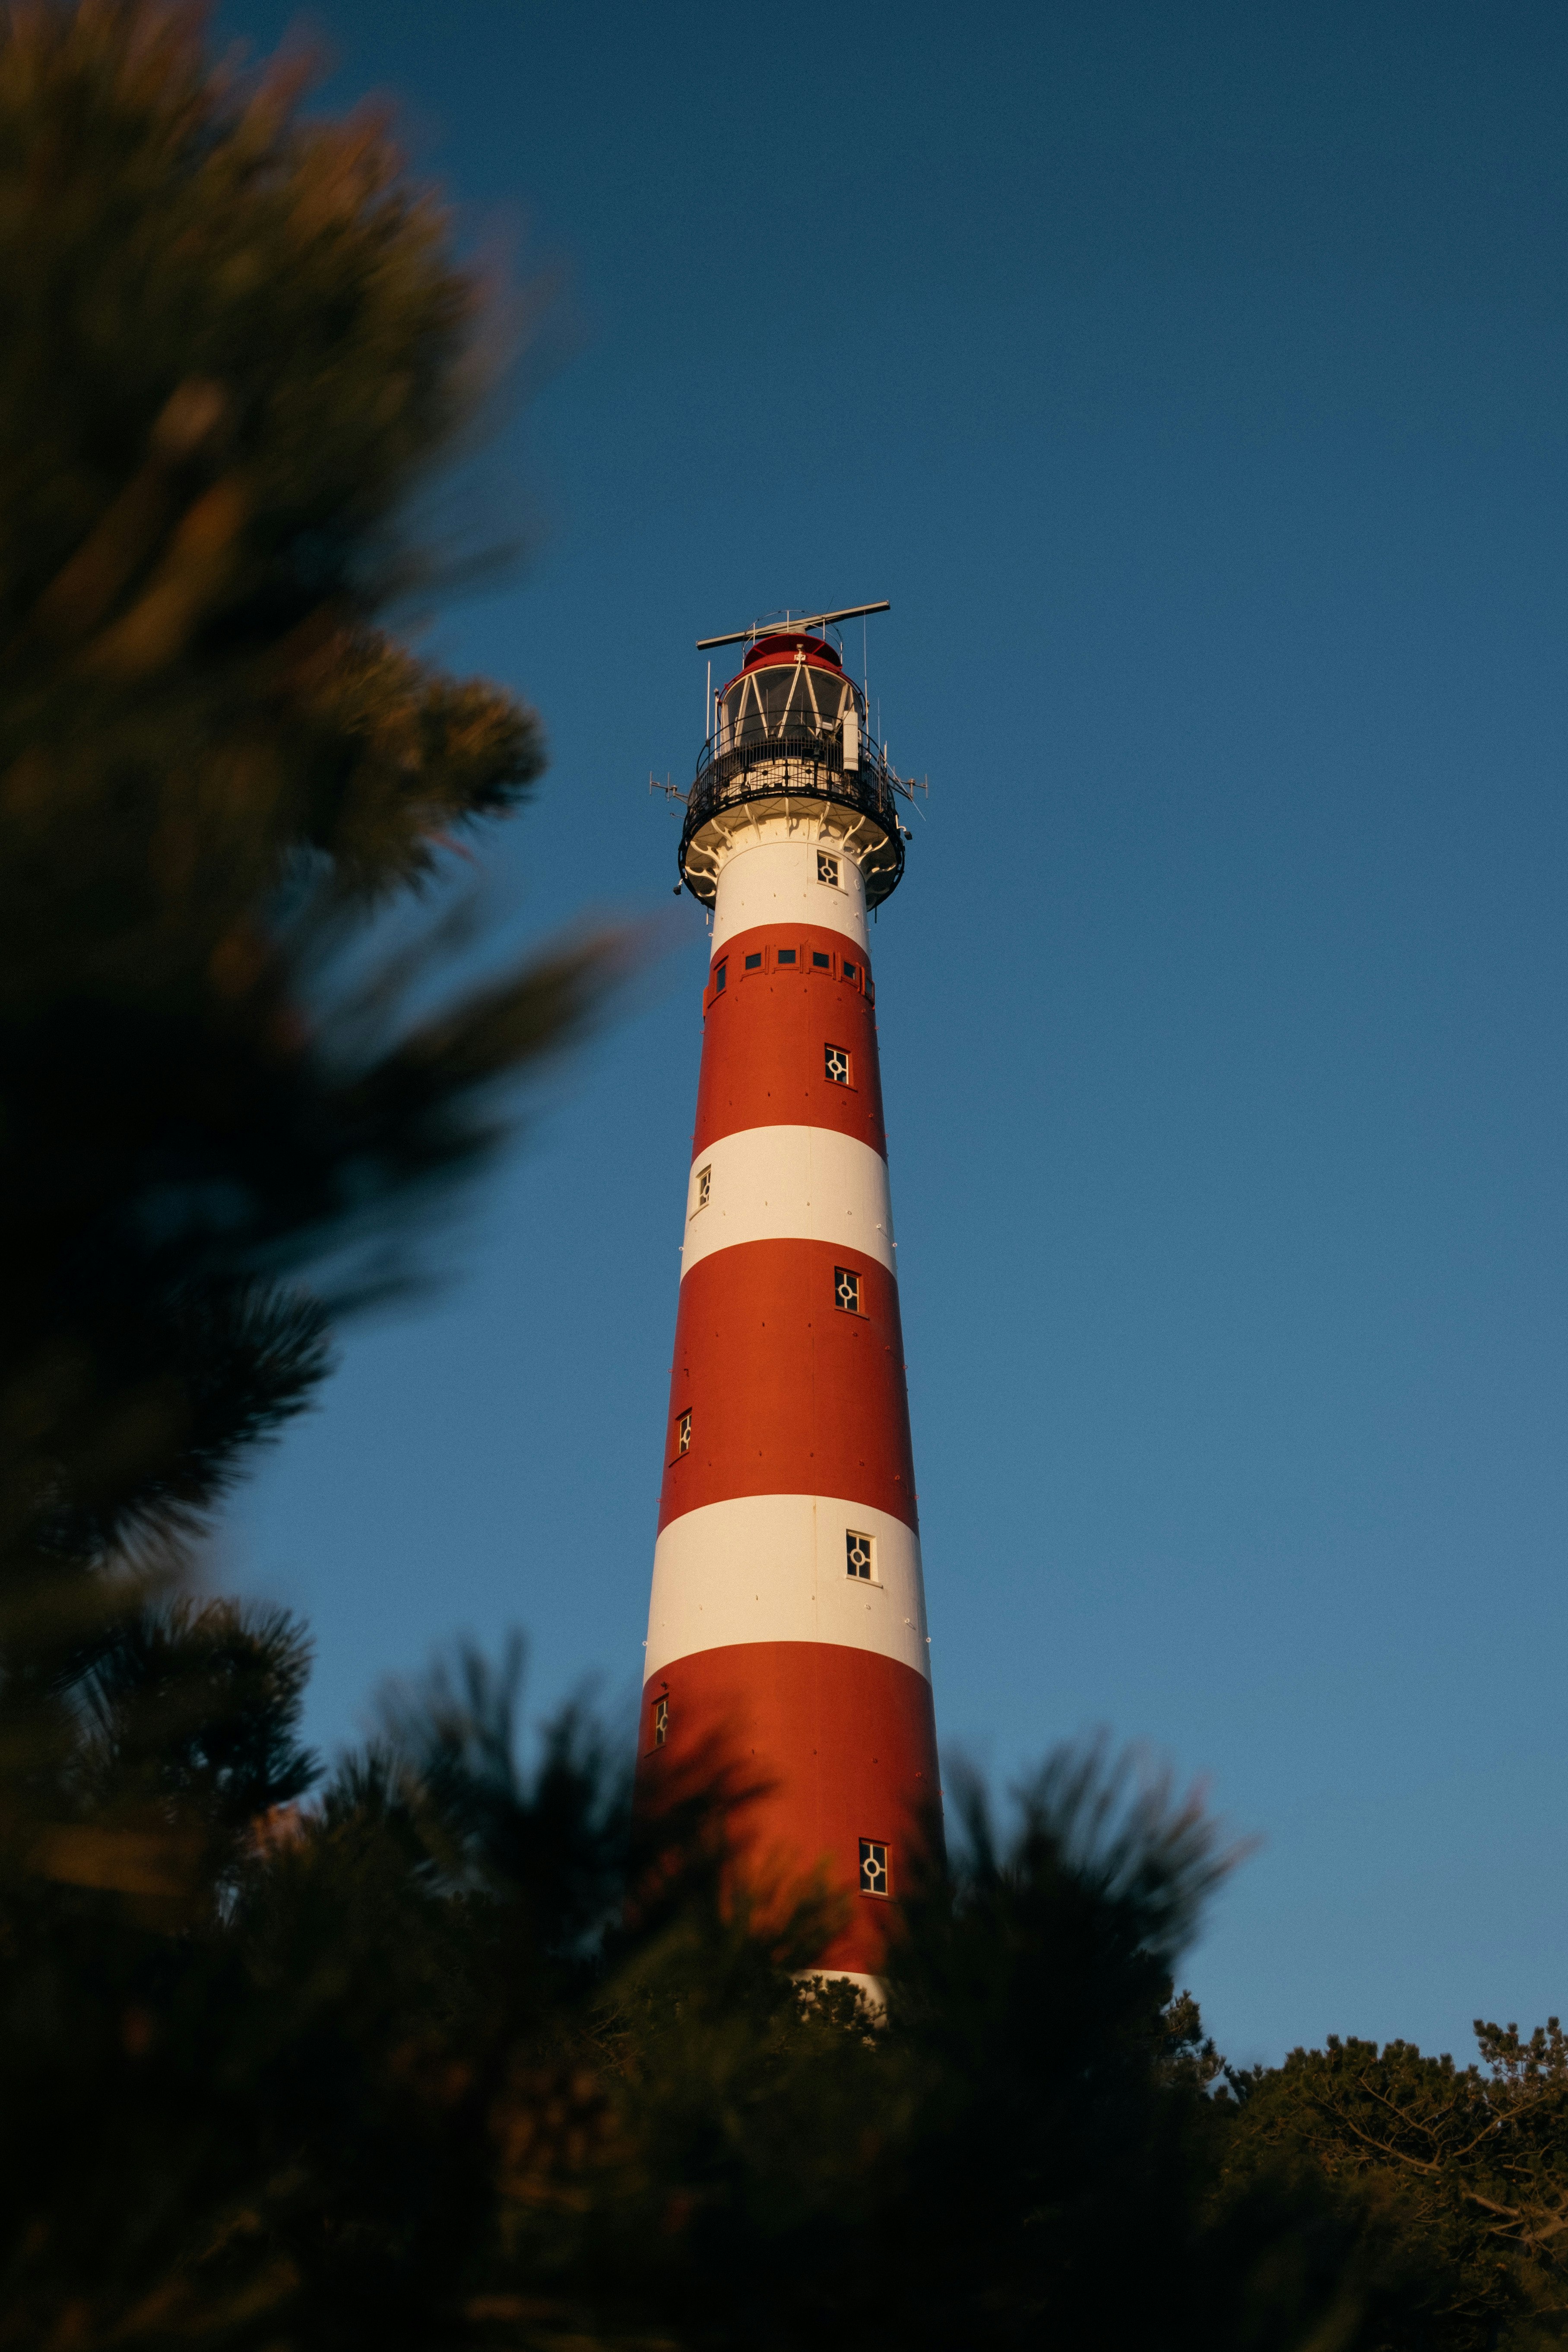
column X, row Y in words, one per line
column 1193, row 379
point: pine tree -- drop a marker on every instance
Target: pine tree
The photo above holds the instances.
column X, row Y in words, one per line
column 1455, row 2178
column 237, row 343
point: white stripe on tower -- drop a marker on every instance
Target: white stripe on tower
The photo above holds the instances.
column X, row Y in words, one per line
column 771, row 1568
column 789, row 1183
column 773, row 881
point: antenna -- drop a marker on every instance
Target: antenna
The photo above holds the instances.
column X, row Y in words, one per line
column 811, row 621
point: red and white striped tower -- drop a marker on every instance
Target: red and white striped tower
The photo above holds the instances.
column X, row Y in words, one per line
column 788, row 1614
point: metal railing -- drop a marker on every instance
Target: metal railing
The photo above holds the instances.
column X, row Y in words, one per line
column 806, row 764
column 725, row 760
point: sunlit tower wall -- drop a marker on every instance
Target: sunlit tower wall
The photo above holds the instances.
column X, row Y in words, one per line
column 788, row 1621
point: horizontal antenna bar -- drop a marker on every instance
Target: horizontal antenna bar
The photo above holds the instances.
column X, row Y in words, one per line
column 807, row 621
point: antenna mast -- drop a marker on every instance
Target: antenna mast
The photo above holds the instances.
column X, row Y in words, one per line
column 811, row 621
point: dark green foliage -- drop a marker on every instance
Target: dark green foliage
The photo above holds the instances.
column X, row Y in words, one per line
column 405, row 2067
column 1457, row 2177
column 190, row 1712
column 1035, row 1989
column 235, row 343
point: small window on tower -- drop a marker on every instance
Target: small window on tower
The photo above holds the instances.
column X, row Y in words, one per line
column 786, row 955
column 827, row 869
column 836, row 1059
column 660, row 1721
column 704, row 1189
column 860, row 1556
column 873, row 1866
column 820, row 962
column 754, row 960
column 683, row 1434
column 850, row 970
column 719, row 979
column 846, row 1289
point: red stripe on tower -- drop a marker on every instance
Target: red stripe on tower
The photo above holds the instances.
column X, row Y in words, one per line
column 787, row 1626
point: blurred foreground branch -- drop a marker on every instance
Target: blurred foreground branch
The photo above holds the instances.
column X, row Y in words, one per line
column 237, row 342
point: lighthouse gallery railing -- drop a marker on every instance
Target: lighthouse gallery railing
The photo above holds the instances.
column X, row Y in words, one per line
column 803, row 762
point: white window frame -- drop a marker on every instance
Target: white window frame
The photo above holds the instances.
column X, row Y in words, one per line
column 866, row 1847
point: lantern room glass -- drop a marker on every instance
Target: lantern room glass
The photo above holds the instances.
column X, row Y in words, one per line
column 788, row 698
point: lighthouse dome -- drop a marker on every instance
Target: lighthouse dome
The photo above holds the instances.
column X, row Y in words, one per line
column 790, row 682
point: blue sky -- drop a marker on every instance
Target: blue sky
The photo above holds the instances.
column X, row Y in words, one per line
column 1192, row 380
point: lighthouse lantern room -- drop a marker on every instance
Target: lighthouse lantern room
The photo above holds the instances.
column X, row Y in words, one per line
column 787, row 1628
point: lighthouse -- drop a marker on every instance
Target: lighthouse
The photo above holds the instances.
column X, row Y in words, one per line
column 787, row 1625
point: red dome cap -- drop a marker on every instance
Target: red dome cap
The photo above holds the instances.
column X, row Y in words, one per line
column 783, row 645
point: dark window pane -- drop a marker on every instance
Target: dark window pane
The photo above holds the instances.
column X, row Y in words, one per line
column 847, row 969
column 774, row 688
column 822, row 962
column 754, row 962
column 786, row 955
column 719, row 977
